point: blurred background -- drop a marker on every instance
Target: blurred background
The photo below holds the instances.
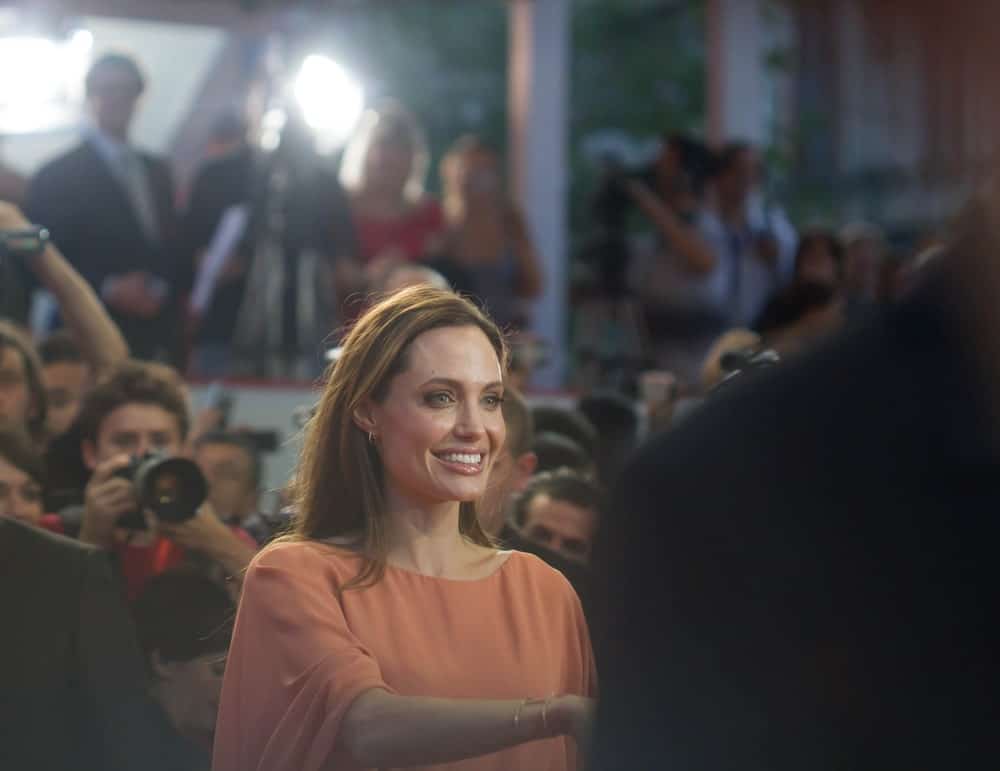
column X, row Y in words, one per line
column 856, row 128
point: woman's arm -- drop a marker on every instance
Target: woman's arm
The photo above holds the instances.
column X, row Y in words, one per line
column 529, row 271
column 381, row 729
column 697, row 255
column 97, row 335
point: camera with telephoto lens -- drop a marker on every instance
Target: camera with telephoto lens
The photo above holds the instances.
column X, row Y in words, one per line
column 169, row 486
column 24, row 243
column 737, row 365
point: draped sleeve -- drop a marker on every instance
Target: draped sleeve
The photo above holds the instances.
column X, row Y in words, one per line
column 294, row 667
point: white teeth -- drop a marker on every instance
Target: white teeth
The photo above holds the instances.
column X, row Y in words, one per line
column 469, row 460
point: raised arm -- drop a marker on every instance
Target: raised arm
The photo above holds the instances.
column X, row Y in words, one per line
column 697, row 255
column 98, row 336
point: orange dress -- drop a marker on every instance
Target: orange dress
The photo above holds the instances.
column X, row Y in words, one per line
column 300, row 654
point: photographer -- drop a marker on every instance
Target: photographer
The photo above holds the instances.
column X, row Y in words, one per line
column 139, row 409
column 753, row 241
column 668, row 265
column 231, row 464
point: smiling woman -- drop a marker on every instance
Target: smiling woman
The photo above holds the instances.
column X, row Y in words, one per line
column 389, row 631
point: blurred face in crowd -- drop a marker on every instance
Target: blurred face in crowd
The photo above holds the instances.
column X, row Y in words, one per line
column 509, row 475
column 228, row 469
column 817, row 263
column 65, row 385
column 674, row 181
column 402, row 276
column 668, row 163
column 15, row 397
column 20, row 494
column 742, row 176
column 388, row 165
column 561, row 526
column 189, row 692
column 863, row 266
column 477, row 176
column 134, row 429
column 113, row 96
column 440, row 426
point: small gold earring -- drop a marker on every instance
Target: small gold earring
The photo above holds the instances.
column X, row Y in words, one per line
column 371, row 437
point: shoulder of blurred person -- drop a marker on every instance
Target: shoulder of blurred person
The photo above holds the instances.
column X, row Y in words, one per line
column 184, row 622
column 74, row 691
column 789, row 566
column 219, row 183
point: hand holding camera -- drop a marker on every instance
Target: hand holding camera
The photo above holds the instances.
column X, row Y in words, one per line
column 125, row 491
column 107, row 498
column 199, row 533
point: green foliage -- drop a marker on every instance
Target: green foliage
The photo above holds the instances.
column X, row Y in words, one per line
column 446, row 60
column 638, row 69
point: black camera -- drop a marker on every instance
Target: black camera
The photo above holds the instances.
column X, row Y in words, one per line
column 737, row 365
column 171, row 487
column 23, row 244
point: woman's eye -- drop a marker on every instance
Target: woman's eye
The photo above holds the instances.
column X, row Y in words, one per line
column 493, row 401
column 440, row 399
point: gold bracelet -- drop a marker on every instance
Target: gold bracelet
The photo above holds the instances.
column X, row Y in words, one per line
column 545, row 713
column 517, row 713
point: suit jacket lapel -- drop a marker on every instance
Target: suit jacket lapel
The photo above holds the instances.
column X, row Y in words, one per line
column 115, row 193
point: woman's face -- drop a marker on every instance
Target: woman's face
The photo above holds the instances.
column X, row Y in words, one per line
column 388, row 165
column 441, row 424
column 20, row 494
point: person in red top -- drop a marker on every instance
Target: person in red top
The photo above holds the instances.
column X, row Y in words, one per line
column 383, row 170
column 142, row 408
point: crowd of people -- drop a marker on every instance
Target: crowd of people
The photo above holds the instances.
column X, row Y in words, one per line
column 424, row 593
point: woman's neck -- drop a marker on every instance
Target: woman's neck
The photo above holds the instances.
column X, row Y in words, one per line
column 426, row 539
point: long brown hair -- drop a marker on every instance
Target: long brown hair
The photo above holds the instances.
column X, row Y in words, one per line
column 338, row 488
column 18, row 341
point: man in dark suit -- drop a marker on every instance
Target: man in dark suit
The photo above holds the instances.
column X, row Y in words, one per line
column 111, row 210
column 803, row 574
column 73, row 692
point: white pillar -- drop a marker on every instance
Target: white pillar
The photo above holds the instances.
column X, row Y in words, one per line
column 539, row 78
column 739, row 103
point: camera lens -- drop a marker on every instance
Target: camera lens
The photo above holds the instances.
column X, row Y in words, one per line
column 172, row 488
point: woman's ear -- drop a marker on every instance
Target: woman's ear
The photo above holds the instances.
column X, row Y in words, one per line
column 364, row 416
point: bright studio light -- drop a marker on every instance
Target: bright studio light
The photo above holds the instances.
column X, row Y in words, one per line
column 41, row 82
column 330, row 99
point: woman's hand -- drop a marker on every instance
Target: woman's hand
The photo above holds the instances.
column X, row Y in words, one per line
column 571, row 716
